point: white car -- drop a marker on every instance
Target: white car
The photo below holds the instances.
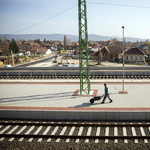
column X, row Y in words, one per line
column 59, row 65
column 19, row 54
column 7, row 66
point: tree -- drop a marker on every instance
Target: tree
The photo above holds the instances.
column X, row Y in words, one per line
column 69, row 40
column 37, row 41
column 65, row 42
column 56, row 43
column 13, row 46
column 99, row 56
column 1, row 42
column 76, row 49
column 44, row 40
column 6, row 52
column 23, row 41
column 147, row 42
column 91, row 43
column 5, row 39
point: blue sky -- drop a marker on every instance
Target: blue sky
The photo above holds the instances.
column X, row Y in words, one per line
column 106, row 20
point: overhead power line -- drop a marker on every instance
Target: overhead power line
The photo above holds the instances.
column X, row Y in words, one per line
column 119, row 5
column 43, row 20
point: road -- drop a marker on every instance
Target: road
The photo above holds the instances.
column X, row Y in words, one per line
column 33, row 64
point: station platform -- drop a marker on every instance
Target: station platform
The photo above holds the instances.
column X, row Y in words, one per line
column 62, row 101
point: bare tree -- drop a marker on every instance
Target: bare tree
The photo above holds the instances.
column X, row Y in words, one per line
column 99, row 56
column 69, row 40
column 5, row 39
column 76, row 49
column 65, row 42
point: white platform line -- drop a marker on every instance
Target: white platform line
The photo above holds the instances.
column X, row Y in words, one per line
column 35, row 133
column 53, row 133
column 106, row 134
column 1, row 132
column 70, row 133
column 125, row 134
column 143, row 134
column 79, row 134
column 28, row 132
column 115, row 134
column 62, row 133
column 88, row 134
column 1, row 126
column 44, row 133
column 11, row 139
column 97, row 134
column 134, row 134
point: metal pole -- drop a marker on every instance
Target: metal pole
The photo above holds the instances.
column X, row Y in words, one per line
column 83, row 46
column 12, row 58
column 123, row 60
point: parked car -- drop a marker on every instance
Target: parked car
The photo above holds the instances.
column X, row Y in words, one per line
column 59, row 65
column 70, row 65
column 19, row 54
column 7, row 66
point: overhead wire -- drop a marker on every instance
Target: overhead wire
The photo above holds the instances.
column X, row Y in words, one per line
column 119, row 5
column 73, row 7
column 43, row 20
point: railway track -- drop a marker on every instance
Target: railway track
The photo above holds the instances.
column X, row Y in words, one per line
column 26, row 77
column 67, row 131
column 73, row 73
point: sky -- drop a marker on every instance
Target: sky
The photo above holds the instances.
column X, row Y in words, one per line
column 61, row 16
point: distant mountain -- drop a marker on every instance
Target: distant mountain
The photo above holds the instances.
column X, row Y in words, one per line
column 60, row 37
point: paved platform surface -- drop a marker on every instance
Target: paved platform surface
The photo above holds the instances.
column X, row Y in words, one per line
column 26, row 98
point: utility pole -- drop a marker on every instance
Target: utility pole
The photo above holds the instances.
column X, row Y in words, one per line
column 12, row 58
column 83, row 46
column 123, row 92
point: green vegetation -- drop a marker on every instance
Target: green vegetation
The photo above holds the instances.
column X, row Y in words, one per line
column 13, row 46
column 147, row 42
column 6, row 52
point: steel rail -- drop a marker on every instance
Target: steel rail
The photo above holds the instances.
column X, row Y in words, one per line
column 76, row 124
column 74, row 136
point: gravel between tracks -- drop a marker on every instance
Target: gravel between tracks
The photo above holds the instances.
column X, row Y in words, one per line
column 34, row 145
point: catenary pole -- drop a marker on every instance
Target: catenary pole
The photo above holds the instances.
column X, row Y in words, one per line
column 83, row 48
column 123, row 60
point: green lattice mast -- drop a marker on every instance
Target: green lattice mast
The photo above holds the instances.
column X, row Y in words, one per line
column 83, row 46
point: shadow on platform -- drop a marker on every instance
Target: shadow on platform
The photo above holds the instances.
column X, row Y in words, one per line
column 89, row 104
column 35, row 98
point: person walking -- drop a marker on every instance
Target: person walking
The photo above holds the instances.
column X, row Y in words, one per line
column 106, row 94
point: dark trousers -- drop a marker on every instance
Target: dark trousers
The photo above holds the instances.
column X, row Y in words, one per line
column 107, row 95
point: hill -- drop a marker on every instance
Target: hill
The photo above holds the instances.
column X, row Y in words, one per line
column 60, row 37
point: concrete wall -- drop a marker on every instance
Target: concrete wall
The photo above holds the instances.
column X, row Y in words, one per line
column 76, row 115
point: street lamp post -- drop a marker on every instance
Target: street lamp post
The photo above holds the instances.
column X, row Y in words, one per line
column 123, row 60
column 123, row 92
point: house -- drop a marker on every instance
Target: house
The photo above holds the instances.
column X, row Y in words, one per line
column 134, row 55
column 53, row 48
column 94, row 48
column 44, row 51
column 47, row 46
column 145, row 49
column 33, row 51
column 22, row 51
column 111, row 53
